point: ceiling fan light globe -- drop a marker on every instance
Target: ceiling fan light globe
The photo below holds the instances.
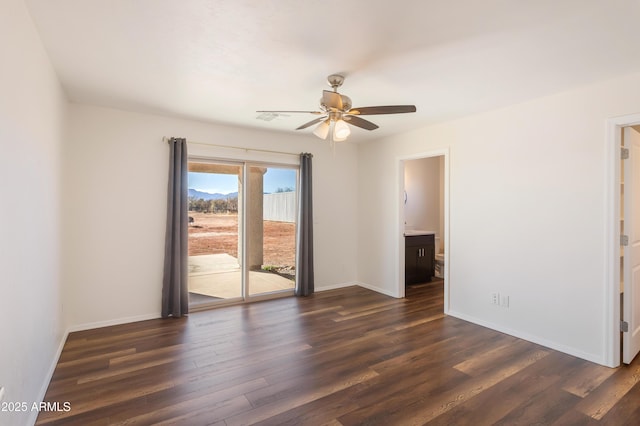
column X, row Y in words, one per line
column 341, row 130
column 322, row 130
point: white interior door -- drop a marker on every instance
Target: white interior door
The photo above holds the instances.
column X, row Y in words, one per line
column 631, row 298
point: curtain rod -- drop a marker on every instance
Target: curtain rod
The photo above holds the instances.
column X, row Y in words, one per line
column 166, row 139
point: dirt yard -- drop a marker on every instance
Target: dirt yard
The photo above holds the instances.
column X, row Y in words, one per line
column 218, row 233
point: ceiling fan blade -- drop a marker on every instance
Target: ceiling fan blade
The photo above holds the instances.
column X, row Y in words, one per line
column 389, row 109
column 294, row 112
column 312, row 122
column 360, row 122
column 332, row 100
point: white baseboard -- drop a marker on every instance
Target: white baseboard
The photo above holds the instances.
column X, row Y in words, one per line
column 359, row 284
column 117, row 321
column 47, row 379
column 335, row 286
column 377, row 289
column 598, row 359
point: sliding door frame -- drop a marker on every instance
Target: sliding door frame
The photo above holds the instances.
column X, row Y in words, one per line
column 243, row 204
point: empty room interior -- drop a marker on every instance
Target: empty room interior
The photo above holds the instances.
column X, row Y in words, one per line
column 364, row 212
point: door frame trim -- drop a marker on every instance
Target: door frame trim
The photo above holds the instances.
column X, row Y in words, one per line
column 400, row 252
column 612, row 236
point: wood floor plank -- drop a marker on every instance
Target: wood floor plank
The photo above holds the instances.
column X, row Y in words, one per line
column 483, row 361
column 610, row 392
column 542, row 408
column 482, row 410
column 576, row 418
column 304, row 396
column 626, row 410
column 73, row 364
column 322, row 411
column 414, row 411
column 217, row 405
column 342, row 357
column 587, row 379
column 512, row 392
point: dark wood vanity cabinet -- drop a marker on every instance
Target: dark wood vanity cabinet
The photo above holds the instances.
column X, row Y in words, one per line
column 419, row 259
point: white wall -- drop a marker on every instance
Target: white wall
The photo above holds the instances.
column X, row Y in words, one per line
column 422, row 186
column 32, row 115
column 115, row 197
column 527, row 203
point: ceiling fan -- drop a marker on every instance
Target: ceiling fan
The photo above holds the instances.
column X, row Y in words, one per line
column 336, row 111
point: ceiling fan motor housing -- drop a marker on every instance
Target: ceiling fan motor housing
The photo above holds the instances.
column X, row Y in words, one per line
column 335, row 81
column 344, row 107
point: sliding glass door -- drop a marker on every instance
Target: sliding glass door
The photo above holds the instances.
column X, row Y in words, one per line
column 215, row 266
column 271, row 229
column 241, row 231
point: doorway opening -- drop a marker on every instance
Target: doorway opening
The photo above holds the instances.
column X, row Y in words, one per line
column 423, row 222
column 242, row 232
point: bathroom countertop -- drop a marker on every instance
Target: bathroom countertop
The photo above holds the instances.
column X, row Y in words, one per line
column 417, row 232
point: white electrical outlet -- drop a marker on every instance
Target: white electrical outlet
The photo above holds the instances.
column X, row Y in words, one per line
column 1, row 393
column 495, row 299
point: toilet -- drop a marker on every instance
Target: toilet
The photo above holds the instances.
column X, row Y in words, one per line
column 438, row 269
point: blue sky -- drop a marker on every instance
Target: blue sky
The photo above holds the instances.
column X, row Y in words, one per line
column 274, row 178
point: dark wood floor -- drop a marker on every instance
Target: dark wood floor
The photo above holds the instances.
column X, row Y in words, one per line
column 343, row 357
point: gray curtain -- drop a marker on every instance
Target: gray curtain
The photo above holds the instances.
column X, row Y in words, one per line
column 304, row 252
column 175, row 295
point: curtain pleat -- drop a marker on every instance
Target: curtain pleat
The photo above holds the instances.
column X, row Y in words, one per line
column 304, row 252
column 175, row 294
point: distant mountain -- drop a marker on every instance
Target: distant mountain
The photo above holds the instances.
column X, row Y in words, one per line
column 208, row 196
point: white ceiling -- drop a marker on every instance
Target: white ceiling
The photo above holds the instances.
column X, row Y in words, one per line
column 221, row 60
